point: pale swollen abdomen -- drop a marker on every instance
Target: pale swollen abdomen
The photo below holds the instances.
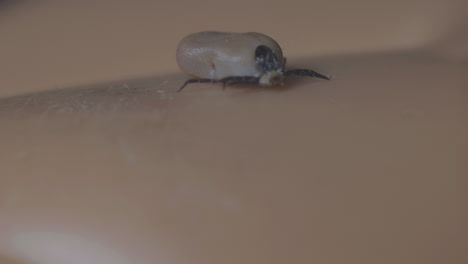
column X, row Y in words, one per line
column 216, row 55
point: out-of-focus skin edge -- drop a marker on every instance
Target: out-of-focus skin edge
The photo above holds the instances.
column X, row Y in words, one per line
column 159, row 92
column 136, row 94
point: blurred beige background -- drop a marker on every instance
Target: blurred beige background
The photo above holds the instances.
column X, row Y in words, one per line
column 102, row 162
column 57, row 44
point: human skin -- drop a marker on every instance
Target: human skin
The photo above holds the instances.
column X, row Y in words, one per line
column 97, row 167
column 369, row 167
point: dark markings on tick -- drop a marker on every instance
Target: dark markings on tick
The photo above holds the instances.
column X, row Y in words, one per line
column 266, row 59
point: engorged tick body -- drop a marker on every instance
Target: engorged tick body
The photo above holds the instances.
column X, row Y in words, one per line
column 235, row 58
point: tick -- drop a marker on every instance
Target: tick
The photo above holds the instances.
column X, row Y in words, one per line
column 235, row 58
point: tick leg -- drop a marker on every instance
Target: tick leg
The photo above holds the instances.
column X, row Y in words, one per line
column 306, row 72
column 232, row 80
column 244, row 80
column 195, row 81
